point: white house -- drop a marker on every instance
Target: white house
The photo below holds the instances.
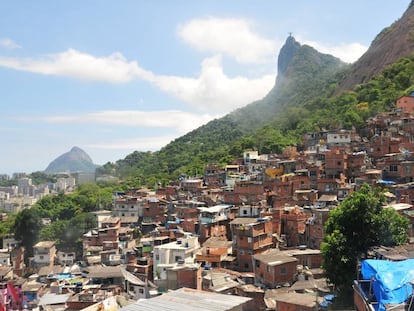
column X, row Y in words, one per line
column 128, row 207
column 169, row 255
column 44, row 253
column 66, row 258
column 214, row 213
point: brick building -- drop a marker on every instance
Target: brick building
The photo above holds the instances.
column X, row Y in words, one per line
column 250, row 236
column 273, row 268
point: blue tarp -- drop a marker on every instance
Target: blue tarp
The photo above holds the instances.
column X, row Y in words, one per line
column 385, row 182
column 391, row 280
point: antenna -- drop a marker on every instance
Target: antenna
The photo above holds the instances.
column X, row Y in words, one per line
column 290, row 34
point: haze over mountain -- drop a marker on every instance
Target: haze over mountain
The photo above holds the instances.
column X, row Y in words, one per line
column 303, row 73
column 75, row 160
column 307, row 85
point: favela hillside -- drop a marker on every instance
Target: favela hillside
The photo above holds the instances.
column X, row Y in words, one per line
column 301, row 200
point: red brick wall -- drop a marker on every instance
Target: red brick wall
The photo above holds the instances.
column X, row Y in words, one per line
column 274, row 276
column 188, row 278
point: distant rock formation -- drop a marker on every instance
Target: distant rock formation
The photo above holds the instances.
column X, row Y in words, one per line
column 287, row 52
column 76, row 160
column 389, row 45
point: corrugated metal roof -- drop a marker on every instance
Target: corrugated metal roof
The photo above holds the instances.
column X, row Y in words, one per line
column 132, row 278
column 96, row 272
column 53, row 299
column 186, row 299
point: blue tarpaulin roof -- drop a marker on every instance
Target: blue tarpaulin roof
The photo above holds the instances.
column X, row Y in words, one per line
column 385, row 182
column 391, row 280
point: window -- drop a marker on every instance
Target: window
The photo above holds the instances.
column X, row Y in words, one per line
column 241, row 252
column 141, row 290
column 244, row 212
column 249, row 239
column 268, row 269
column 157, row 257
column 393, row 168
column 283, row 271
column 257, row 264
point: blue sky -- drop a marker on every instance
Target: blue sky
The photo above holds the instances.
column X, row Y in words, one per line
column 112, row 77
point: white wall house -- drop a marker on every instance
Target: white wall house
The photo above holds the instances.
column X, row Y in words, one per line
column 44, row 253
column 342, row 137
column 171, row 254
column 66, row 258
column 214, row 213
column 128, row 207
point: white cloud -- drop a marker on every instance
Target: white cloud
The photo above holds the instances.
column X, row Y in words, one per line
column 72, row 63
column 9, row 44
column 212, row 89
column 180, row 121
column 230, row 36
column 347, row 52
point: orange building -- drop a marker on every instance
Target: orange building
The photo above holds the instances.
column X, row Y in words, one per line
column 250, row 236
column 406, row 103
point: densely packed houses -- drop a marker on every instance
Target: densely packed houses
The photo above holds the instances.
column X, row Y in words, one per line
column 251, row 229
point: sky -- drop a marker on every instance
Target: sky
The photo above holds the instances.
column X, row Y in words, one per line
column 112, row 77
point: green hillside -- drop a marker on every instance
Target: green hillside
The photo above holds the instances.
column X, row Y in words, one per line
column 312, row 92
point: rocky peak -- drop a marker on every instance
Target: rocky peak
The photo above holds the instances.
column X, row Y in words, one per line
column 287, row 52
column 389, row 45
column 76, row 160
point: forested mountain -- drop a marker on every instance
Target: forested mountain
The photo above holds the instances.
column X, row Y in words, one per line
column 312, row 91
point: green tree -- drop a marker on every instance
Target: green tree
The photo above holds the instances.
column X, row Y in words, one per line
column 42, row 178
column 358, row 223
column 7, row 226
column 26, row 229
column 68, row 233
column 392, row 228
